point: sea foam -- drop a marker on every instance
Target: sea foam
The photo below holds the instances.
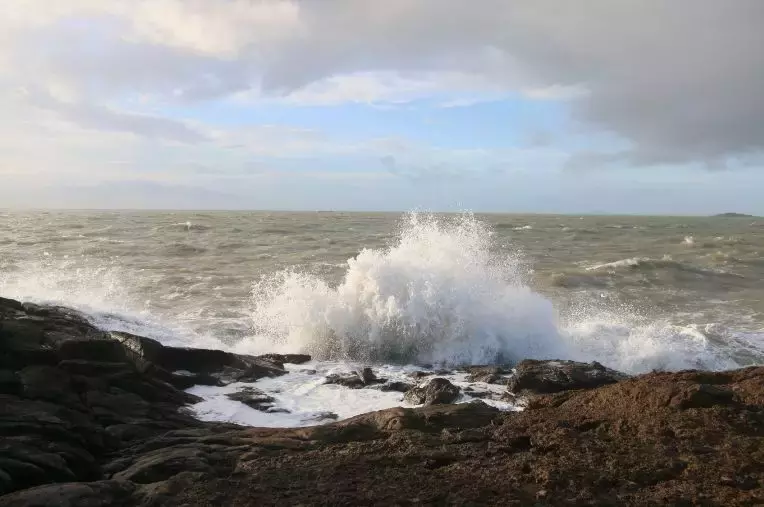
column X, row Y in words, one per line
column 439, row 294
column 444, row 293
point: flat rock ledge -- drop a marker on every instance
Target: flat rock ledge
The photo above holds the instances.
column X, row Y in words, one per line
column 90, row 418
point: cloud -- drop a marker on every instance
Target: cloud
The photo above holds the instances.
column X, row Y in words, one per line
column 679, row 80
column 99, row 118
column 123, row 194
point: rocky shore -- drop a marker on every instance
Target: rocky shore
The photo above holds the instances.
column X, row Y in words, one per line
column 97, row 418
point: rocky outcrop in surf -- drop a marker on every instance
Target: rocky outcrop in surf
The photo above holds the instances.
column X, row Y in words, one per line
column 99, row 419
column 532, row 377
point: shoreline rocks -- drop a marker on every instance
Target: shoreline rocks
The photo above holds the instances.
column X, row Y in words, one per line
column 364, row 377
column 533, row 377
column 100, row 419
column 437, row 391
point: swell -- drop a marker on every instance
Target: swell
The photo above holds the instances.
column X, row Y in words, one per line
column 441, row 293
column 644, row 270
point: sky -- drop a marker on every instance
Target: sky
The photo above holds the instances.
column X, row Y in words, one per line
column 548, row 106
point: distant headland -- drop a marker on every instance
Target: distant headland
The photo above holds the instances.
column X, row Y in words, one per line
column 733, row 215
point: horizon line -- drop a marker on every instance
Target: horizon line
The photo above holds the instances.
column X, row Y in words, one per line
column 356, row 211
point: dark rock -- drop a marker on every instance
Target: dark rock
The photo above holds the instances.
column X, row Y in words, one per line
column 436, row 391
column 28, row 465
column 141, row 350
column 48, row 383
column 400, row 387
column 659, row 439
column 487, row 374
column 475, row 393
column 421, row 374
column 323, row 416
column 186, row 380
column 367, row 375
column 126, row 432
column 93, row 350
column 85, row 494
column 187, row 366
column 286, row 358
column 21, row 334
column 117, row 402
column 355, row 380
column 93, row 368
column 254, row 398
column 703, row 396
column 162, row 464
column 22, row 474
column 9, row 382
column 544, row 377
column 351, row 381
column 11, row 304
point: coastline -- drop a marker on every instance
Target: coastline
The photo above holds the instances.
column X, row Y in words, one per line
column 101, row 418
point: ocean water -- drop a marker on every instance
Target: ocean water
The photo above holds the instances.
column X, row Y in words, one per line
column 400, row 291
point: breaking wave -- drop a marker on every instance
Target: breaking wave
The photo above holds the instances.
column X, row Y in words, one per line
column 442, row 292
column 445, row 293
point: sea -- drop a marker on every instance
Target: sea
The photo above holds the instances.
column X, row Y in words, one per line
column 400, row 292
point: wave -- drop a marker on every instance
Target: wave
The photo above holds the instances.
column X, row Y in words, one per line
column 443, row 294
column 437, row 295
column 647, row 271
column 189, row 226
column 649, row 264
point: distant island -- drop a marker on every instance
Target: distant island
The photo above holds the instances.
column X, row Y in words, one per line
column 733, row 215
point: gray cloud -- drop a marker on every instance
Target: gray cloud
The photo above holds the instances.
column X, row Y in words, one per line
column 681, row 80
column 100, row 118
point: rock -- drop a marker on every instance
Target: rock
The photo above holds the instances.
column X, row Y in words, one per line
column 436, row 391
column 286, row 358
column 117, row 433
column 400, row 387
column 322, row 416
column 104, row 350
column 355, row 380
column 367, row 375
column 702, row 396
column 10, row 304
column 476, row 394
column 9, row 382
column 252, row 397
column 68, row 395
column 206, row 366
column 487, row 374
column 48, row 383
column 544, row 377
column 421, row 374
column 162, row 464
column 90, row 494
column 351, row 381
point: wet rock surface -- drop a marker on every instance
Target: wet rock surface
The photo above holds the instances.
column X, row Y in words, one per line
column 254, row 398
column 364, row 377
column 533, row 377
column 488, row 374
column 435, row 392
column 96, row 425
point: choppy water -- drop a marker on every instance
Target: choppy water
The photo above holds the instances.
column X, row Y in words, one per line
column 635, row 293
